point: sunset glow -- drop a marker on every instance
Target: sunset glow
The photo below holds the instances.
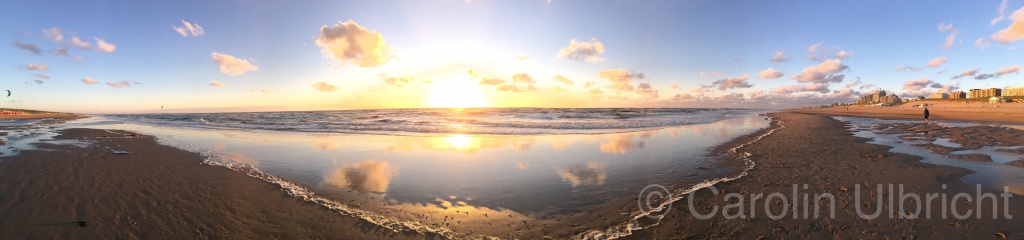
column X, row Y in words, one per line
column 469, row 54
column 457, row 92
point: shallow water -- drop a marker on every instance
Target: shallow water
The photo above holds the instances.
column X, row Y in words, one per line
column 994, row 175
column 470, row 185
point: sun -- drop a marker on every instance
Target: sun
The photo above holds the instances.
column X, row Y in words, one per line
column 456, row 92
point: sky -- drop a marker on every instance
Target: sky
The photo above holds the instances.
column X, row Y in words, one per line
column 202, row 56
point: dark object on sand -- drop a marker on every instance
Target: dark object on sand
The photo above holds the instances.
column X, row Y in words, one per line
column 83, row 223
column 926, row 114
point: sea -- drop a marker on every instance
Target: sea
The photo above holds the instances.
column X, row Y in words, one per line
column 474, row 173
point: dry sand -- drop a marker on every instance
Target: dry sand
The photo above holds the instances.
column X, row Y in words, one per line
column 154, row 192
column 818, row 151
column 939, row 110
column 41, row 115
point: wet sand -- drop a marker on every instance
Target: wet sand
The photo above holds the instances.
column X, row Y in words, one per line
column 819, row 151
column 939, row 110
column 153, row 192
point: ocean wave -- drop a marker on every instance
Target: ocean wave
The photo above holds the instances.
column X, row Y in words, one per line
column 513, row 121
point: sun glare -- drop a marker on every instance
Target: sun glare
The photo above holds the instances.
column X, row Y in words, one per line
column 456, row 92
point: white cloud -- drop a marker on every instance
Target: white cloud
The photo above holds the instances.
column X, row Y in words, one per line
column 935, row 62
column 217, row 84
column 509, row 88
column 779, row 56
column 53, row 34
column 324, row 87
column 1012, row 33
column 907, row 68
column 349, row 43
column 854, row 83
column 43, row 76
column 981, row 43
column 232, row 66
column 259, row 90
column 1001, row 16
column 647, row 90
column 710, row 74
column 951, row 37
column 587, row 51
column 812, row 87
column 36, row 67
column 815, row 52
column 917, row 84
column 189, row 29
column 1008, row 70
column 843, row 54
column 673, row 86
column 620, row 75
column 491, row 81
column 757, row 95
column 78, row 43
column 523, row 58
column 949, row 87
column 37, row 81
column 104, row 46
column 62, row 51
column 967, row 73
column 31, row 47
column 90, row 81
column 561, row 79
column 121, row 84
column 770, row 74
column 867, row 86
column 400, row 81
column 946, row 27
column 845, row 93
column 917, row 93
column 522, row 77
column 950, row 40
column 621, row 78
column 825, row 72
column 999, row 73
column 733, row 82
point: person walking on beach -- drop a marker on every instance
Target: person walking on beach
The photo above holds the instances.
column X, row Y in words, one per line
column 926, row 114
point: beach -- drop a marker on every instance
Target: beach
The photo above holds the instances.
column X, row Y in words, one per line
column 153, row 192
column 818, row 151
column 160, row 191
column 966, row 110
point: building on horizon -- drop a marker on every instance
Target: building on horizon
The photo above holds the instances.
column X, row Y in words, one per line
column 986, row 93
column 957, row 94
column 1013, row 92
column 890, row 99
column 879, row 97
column 938, row 95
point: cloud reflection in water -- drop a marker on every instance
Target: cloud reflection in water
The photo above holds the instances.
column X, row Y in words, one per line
column 592, row 173
column 366, row 176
